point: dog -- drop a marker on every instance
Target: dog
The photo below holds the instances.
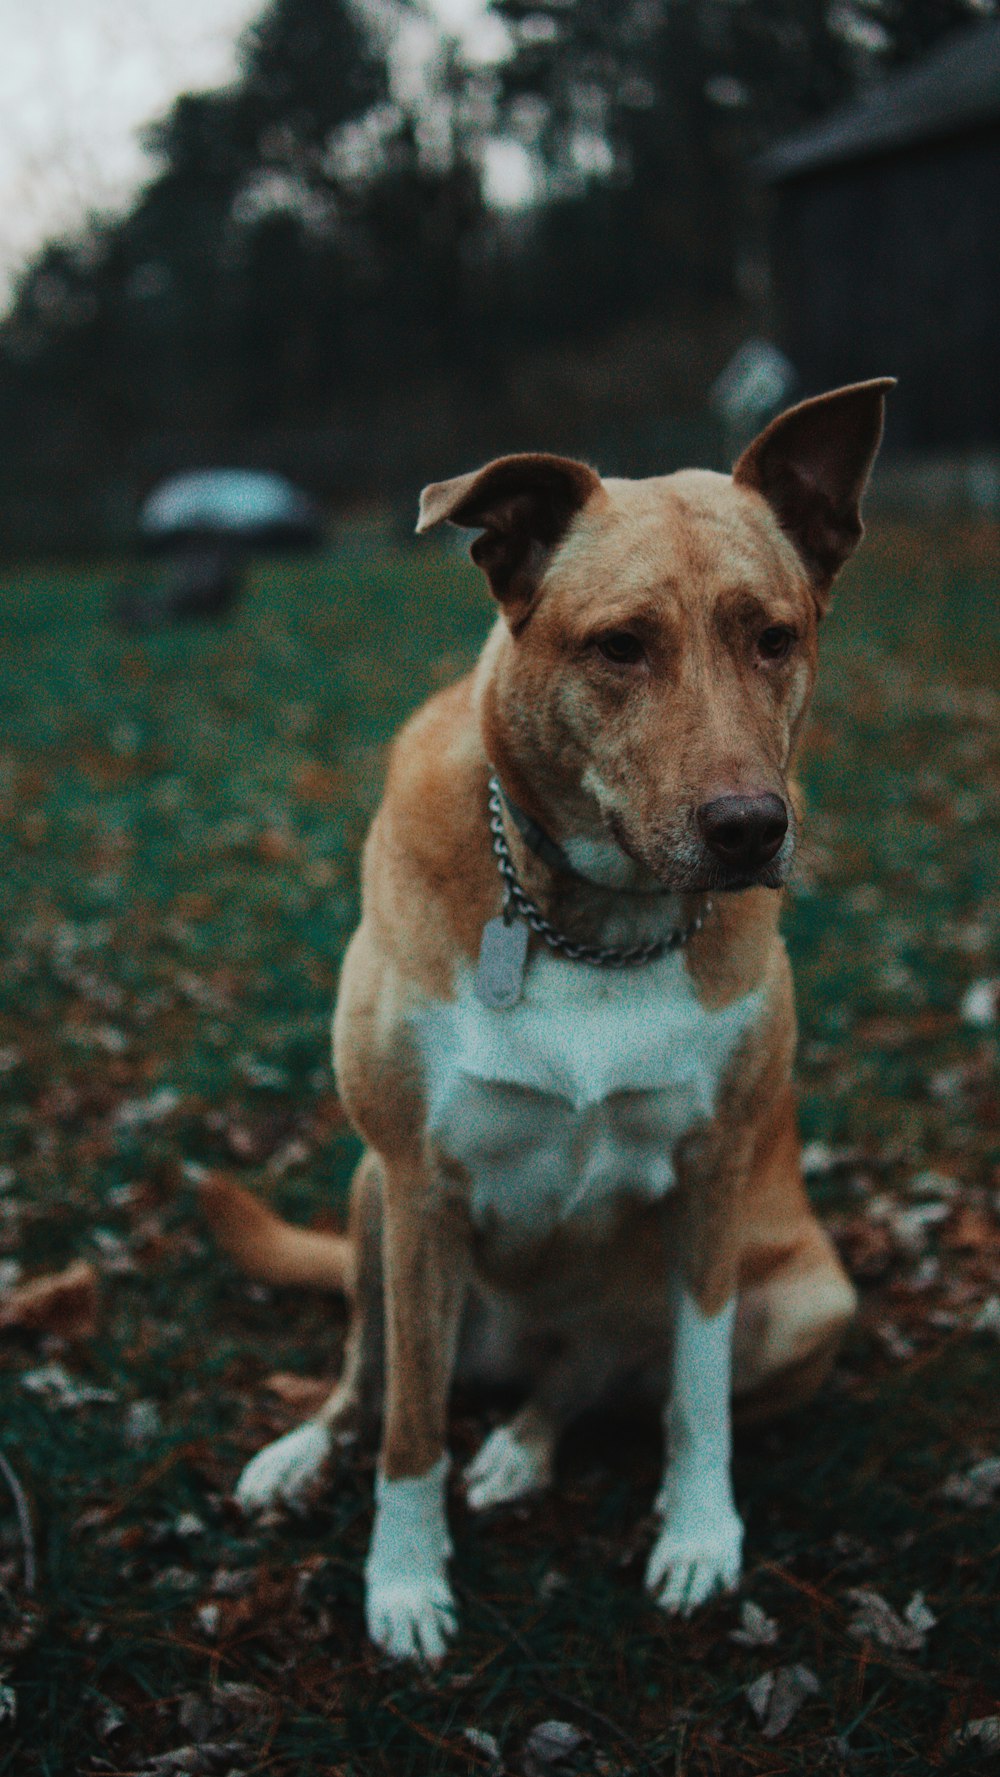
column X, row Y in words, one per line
column 565, row 1028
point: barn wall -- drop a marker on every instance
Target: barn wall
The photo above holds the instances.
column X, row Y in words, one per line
column 892, row 266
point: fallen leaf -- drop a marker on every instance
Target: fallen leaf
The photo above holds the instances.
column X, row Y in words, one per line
column 485, row 1745
column 198, row 1761
column 819, row 1160
column 972, row 1230
column 919, row 1614
column 56, row 1386
column 983, row 1733
column 977, row 1487
column 933, row 1184
column 142, row 1423
column 756, row 1628
column 988, row 1318
column 908, row 1224
column 63, row 1302
column 776, row 1697
column 110, row 1721
column 866, row 1246
column 981, row 1003
column 135, row 1113
column 896, row 1343
column 549, row 1745
column 875, row 1620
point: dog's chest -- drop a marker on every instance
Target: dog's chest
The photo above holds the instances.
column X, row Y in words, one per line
column 577, row 1096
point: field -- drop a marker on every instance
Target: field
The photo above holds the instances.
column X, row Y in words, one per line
column 180, row 820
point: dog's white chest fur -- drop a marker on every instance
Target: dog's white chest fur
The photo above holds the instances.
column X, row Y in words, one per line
column 578, row 1095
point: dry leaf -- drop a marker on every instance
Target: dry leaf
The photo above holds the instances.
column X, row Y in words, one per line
column 988, row 1318
column 756, row 1628
column 485, row 1745
column 866, row 1246
column 63, row 1302
column 977, row 1487
column 981, row 1003
column 776, row 1697
column 875, row 1620
column 972, row 1230
column 142, row 1423
column 135, row 1113
column 550, row 1745
column 896, row 1343
column 983, row 1733
column 206, row 1760
column 908, row 1225
column 933, row 1184
column 919, row 1614
column 56, row 1386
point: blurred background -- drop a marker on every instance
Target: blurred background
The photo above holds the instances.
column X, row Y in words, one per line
column 369, row 242
column 265, row 272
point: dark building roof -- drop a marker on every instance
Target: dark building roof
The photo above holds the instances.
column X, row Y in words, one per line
column 954, row 88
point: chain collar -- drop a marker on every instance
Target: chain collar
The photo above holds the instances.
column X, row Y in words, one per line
column 518, row 904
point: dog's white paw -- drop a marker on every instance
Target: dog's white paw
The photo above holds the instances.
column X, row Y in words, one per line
column 409, row 1607
column 285, row 1472
column 689, row 1564
column 411, row 1617
column 505, row 1470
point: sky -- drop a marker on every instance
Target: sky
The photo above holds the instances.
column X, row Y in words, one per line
column 79, row 79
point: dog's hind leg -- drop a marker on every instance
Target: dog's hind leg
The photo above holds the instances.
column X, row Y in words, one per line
column 795, row 1299
column 289, row 1470
column 517, row 1458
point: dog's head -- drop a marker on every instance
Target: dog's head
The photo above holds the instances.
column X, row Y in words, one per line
column 660, row 640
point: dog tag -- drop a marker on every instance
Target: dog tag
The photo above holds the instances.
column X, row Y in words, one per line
column 503, row 952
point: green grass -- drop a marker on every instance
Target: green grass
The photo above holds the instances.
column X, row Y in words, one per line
column 180, row 819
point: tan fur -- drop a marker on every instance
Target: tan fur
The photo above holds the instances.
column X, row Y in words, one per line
column 697, row 566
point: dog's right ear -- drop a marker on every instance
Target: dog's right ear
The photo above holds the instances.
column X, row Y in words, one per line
column 524, row 505
column 811, row 465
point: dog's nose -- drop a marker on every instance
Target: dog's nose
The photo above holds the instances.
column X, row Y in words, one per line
column 743, row 831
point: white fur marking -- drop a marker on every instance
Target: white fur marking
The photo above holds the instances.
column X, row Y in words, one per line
column 699, row 1548
column 285, row 1472
column 409, row 1607
column 505, row 1470
column 578, row 1094
column 601, row 861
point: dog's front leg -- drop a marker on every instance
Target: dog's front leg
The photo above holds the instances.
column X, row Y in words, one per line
column 699, row 1548
column 409, row 1605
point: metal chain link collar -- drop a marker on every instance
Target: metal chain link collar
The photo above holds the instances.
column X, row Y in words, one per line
column 516, row 902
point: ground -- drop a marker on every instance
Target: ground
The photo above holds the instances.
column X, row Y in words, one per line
column 180, row 818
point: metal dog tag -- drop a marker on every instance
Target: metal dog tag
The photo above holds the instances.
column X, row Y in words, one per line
column 503, row 953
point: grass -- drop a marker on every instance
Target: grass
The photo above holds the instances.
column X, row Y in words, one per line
column 180, row 819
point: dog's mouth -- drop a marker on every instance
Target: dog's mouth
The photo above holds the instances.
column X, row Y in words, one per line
column 730, row 882
column 687, row 866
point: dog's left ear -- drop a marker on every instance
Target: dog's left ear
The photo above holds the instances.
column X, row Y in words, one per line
column 523, row 505
column 811, row 465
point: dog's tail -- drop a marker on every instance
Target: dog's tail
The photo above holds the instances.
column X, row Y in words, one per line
column 265, row 1247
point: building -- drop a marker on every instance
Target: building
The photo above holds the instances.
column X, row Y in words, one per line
column 887, row 245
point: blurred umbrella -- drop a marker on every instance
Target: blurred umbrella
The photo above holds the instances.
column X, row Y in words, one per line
column 206, row 522
column 248, row 506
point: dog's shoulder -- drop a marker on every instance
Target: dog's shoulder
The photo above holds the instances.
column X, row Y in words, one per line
column 429, row 878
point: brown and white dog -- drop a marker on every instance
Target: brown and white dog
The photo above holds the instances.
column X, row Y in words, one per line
column 582, row 1175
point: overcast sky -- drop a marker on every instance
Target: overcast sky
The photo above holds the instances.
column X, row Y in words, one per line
column 79, row 78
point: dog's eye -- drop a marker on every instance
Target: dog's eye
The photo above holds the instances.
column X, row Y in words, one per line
column 775, row 642
column 620, row 647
